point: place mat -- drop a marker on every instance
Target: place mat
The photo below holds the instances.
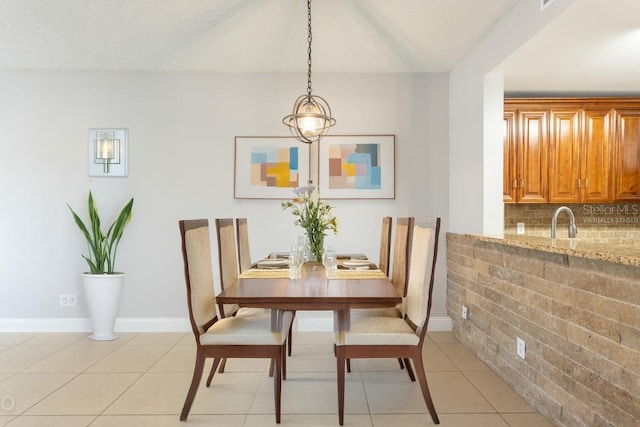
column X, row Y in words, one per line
column 272, row 273
column 360, row 274
column 357, row 264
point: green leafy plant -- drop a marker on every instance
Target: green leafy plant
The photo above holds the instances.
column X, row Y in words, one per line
column 102, row 247
column 315, row 216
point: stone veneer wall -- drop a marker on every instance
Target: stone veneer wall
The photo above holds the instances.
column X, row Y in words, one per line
column 580, row 319
column 617, row 223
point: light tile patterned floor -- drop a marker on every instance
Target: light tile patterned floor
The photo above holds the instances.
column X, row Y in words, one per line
column 141, row 380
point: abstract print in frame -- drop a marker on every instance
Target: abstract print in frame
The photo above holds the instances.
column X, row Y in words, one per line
column 269, row 167
column 357, row 167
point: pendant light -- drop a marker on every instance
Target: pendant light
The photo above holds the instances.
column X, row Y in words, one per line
column 311, row 116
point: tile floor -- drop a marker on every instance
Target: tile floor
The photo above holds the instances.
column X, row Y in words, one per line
column 141, row 379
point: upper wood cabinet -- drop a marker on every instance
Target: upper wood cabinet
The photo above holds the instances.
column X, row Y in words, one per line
column 597, row 147
column 627, row 156
column 510, row 180
column 532, row 146
column 564, row 156
column 525, row 156
column 571, row 150
column 579, row 156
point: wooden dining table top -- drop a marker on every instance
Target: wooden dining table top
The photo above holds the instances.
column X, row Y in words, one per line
column 313, row 291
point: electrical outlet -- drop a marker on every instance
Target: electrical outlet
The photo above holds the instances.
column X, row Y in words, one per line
column 521, row 348
column 68, row 300
column 520, row 228
column 465, row 312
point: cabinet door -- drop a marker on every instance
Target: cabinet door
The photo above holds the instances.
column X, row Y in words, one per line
column 595, row 173
column 510, row 177
column 627, row 157
column 532, row 157
column 564, row 156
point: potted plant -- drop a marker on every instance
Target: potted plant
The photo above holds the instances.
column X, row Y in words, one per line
column 102, row 283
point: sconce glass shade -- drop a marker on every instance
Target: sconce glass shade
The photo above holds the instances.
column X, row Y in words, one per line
column 106, row 149
column 108, row 152
column 310, row 119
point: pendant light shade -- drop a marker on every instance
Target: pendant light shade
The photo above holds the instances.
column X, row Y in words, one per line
column 311, row 118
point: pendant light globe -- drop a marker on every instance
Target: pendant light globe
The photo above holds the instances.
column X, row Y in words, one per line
column 311, row 118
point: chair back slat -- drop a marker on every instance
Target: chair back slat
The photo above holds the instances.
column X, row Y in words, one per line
column 244, row 254
column 401, row 253
column 424, row 252
column 385, row 245
column 196, row 254
column 227, row 251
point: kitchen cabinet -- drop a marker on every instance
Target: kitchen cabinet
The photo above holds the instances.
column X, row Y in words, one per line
column 596, row 162
column 532, row 146
column 627, row 156
column 571, row 150
column 525, row 156
column 579, row 156
column 510, row 182
column 564, row 156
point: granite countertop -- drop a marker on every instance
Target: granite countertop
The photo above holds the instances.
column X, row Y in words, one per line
column 618, row 254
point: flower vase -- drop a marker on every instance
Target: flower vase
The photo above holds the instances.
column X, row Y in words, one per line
column 316, row 246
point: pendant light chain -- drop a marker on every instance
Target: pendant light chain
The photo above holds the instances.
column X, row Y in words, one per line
column 309, row 38
column 311, row 117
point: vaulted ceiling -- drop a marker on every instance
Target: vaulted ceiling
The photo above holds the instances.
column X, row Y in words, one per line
column 352, row 36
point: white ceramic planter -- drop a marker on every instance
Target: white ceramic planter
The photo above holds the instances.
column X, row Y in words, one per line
column 103, row 296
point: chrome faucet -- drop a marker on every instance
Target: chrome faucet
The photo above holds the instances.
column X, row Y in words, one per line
column 573, row 230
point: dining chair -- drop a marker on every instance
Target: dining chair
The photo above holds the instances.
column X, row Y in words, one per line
column 242, row 235
column 244, row 261
column 399, row 275
column 385, row 245
column 228, row 265
column 398, row 337
column 218, row 338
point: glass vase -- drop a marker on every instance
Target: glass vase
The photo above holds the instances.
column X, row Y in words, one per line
column 316, row 245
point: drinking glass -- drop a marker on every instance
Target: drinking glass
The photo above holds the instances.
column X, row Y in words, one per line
column 296, row 259
column 330, row 261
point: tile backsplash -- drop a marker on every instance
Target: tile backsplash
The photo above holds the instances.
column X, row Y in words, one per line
column 617, row 223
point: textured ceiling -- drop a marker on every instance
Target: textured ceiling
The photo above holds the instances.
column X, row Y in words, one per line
column 359, row 36
column 591, row 47
column 594, row 46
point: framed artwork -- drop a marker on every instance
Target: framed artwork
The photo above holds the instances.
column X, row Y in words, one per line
column 357, row 167
column 269, row 167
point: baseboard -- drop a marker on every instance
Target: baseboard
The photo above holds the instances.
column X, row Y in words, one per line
column 306, row 321
column 125, row 324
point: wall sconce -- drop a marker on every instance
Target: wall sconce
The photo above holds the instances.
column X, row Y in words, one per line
column 108, row 152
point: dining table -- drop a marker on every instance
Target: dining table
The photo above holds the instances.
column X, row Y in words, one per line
column 344, row 290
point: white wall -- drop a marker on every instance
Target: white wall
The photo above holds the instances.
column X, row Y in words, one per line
column 181, row 130
column 475, row 156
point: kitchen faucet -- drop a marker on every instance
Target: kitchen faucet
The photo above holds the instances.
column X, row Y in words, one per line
column 573, row 230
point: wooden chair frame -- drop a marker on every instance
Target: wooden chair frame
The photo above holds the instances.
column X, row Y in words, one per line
column 218, row 352
column 405, row 352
